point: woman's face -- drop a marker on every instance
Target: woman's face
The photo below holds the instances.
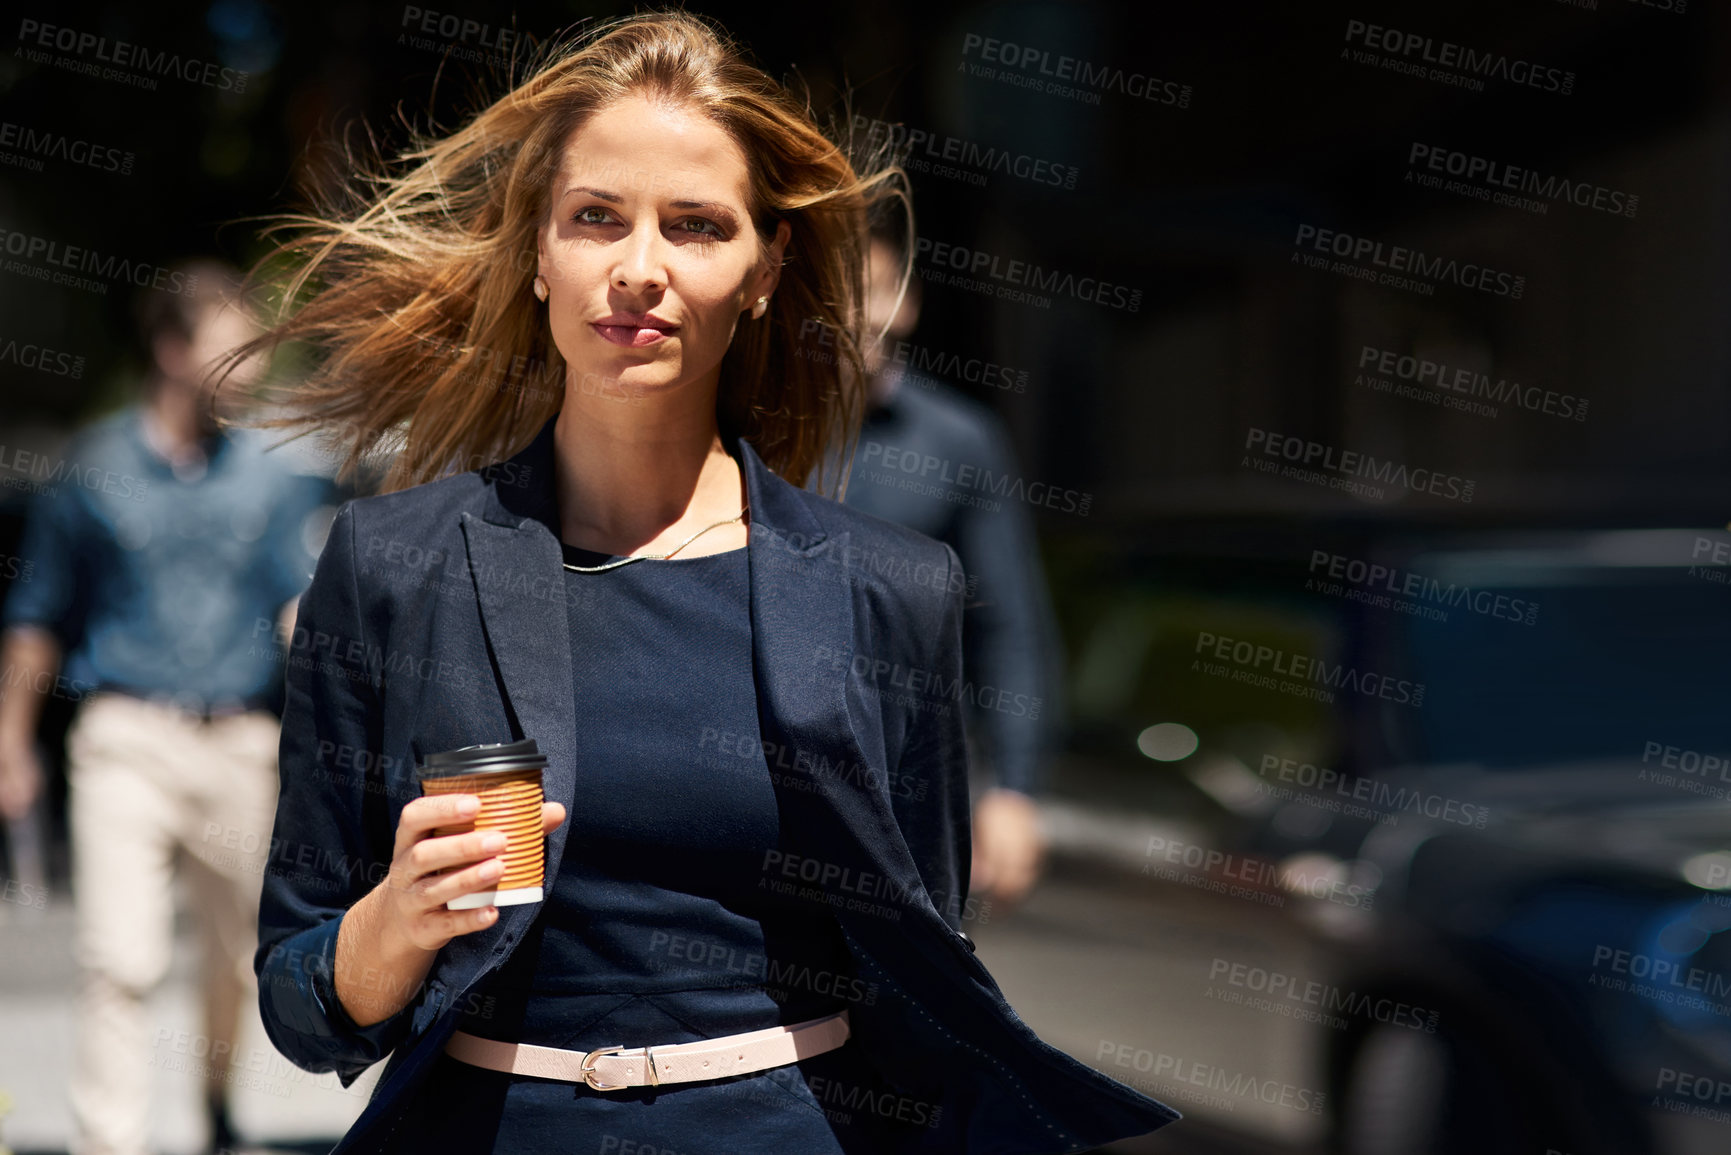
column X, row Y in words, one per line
column 649, row 251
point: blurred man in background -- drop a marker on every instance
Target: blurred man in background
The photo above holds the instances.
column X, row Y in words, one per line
column 1011, row 689
column 166, row 559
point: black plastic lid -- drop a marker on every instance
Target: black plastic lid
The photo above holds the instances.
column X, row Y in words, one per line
column 494, row 758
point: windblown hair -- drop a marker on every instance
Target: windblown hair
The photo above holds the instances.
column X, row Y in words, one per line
column 417, row 294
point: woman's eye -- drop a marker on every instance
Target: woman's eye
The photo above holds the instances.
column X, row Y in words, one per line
column 600, row 217
column 704, row 227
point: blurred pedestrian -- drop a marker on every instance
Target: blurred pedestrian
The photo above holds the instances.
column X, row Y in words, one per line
column 1010, row 692
column 166, row 558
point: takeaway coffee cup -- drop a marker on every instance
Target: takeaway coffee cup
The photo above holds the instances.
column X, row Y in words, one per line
column 506, row 776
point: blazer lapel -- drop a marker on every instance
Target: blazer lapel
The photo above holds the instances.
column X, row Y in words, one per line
column 801, row 613
column 531, row 641
column 516, row 536
column 827, row 787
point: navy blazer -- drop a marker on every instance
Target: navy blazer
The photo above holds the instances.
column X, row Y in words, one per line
column 436, row 619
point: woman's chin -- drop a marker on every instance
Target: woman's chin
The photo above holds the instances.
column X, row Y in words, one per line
column 627, row 382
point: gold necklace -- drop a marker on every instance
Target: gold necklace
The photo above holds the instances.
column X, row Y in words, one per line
column 654, row 556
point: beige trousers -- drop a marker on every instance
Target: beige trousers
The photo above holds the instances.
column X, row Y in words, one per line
column 151, row 790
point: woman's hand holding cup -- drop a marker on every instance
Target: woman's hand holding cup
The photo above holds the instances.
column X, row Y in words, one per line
column 475, row 838
column 429, row 870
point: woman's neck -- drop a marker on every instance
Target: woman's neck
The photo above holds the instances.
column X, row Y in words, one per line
column 642, row 475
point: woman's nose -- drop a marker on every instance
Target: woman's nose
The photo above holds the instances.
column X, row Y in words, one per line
column 642, row 264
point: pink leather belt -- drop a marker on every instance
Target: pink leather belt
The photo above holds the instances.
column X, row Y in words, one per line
column 616, row 1068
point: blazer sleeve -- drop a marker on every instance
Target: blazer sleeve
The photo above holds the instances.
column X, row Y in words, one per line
column 333, row 836
column 929, row 791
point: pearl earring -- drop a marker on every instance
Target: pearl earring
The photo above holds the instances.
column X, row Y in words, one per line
column 760, row 308
column 540, row 287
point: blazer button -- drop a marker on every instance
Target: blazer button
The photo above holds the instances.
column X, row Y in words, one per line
column 963, row 935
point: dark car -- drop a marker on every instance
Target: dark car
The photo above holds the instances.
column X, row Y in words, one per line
column 1548, row 839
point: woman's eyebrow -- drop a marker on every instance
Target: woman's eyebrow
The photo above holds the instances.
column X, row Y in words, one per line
column 598, row 194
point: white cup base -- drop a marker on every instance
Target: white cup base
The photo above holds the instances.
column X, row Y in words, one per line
column 482, row 898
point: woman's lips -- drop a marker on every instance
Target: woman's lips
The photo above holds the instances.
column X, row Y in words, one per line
column 632, row 335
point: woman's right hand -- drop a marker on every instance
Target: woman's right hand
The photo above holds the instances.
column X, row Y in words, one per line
column 427, row 871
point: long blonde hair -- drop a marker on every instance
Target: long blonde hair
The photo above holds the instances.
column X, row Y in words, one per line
column 418, row 296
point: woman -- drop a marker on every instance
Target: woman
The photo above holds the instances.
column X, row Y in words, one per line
column 757, row 816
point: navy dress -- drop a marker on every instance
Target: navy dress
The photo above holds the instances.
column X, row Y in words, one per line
column 658, row 927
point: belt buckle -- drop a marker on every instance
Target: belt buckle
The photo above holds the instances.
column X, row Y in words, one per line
column 588, row 1069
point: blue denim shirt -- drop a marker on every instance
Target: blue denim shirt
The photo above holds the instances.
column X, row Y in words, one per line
column 933, row 461
column 156, row 584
